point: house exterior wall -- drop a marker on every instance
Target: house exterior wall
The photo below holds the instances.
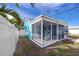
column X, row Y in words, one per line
column 9, row 35
column 27, row 29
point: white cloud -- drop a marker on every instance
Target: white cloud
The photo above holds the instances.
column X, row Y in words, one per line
column 73, row 26
column 26, row 16
column 49, row 4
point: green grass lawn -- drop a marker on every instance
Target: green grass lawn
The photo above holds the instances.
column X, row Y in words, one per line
column 66, row 49
column 74, row 36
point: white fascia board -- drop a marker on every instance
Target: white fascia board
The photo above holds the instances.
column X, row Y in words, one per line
column 36, row 20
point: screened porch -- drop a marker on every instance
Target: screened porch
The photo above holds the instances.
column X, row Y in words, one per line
column 46, row 32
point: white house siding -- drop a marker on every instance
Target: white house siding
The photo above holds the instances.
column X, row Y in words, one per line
column 8, row 37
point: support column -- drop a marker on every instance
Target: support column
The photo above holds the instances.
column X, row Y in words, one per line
column 31, row 30
column 41, row 33
column 64, row 31
column 35, row 30
column 51, row 31
column 57, row 29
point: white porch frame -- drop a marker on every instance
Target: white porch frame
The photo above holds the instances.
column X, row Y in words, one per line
column 51, row 21
column 41, row 33
column 57, row 30
column 51, row 31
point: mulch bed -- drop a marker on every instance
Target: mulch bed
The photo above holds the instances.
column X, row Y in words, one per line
column 28, row 48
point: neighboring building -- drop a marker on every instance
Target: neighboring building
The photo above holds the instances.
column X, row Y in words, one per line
column 9, row 36
column 73, row 30
column 46, row 31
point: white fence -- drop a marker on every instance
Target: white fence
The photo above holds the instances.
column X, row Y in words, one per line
column 9, row 35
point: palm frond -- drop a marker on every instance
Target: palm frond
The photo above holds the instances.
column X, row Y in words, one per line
column 4, row 11
column 32, row 4
column 4, row 15
column 17, row 4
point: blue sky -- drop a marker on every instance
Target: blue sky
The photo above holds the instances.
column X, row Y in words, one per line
column 67, row 12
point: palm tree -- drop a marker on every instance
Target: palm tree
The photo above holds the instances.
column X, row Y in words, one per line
column 4, row 11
